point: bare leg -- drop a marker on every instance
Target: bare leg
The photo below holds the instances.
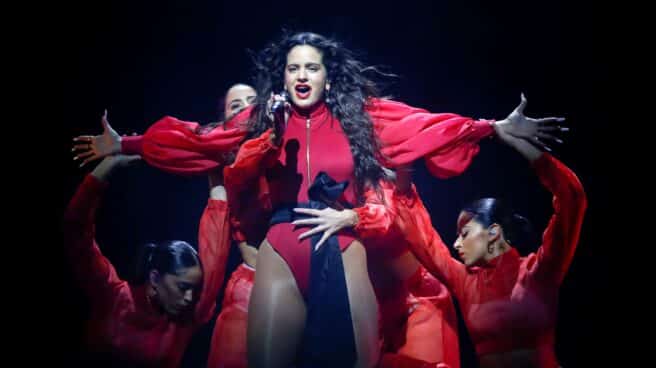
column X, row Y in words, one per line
column 277, row 310
column 276, row 313
column 364, row 308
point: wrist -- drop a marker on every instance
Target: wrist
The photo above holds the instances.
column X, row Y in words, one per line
column 103, row 171
column 353, row 217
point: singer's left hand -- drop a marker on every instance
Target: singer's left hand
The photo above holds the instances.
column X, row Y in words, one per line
column 328, row 220
column 535, row 131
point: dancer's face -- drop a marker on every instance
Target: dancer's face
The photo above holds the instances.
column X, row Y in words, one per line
column 177, row 293
column 473, row 239
column 305, row 76
column 239, row 97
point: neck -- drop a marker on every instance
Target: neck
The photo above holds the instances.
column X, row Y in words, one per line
column 310, row 111
column 498, row 249
column 151, row 298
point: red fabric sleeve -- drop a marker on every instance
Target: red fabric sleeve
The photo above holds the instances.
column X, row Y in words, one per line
column 247, row 187
column 213, row 249
column 132, row 145
column 93, row 271
column 414, row 222
column 175, row 146
column 560, row 238
column 377, row 214
column 448, row 142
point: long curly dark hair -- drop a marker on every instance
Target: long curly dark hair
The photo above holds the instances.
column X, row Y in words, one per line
column 350, row 91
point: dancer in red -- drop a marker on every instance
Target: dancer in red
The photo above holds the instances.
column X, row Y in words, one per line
column 509, row 302
column 418, row 319
column 228, row 344
column 150, row 323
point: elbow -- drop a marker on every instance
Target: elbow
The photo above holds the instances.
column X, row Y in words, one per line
column 578, row 196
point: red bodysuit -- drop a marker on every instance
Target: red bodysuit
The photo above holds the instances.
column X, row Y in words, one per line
column 123, row 323
column 314, row 141
column 510, row 303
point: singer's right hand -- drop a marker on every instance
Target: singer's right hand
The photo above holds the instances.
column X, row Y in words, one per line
column 272, row 99
column 278, row 123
